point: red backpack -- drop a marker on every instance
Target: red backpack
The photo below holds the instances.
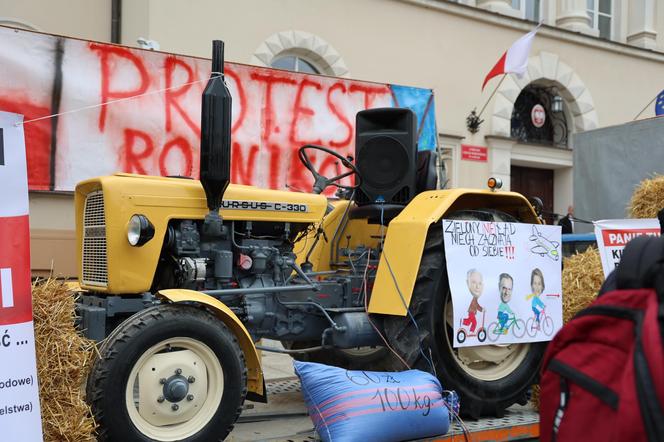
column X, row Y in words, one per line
column 603, row 373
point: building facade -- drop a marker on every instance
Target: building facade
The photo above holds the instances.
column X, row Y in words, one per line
column 593, row 63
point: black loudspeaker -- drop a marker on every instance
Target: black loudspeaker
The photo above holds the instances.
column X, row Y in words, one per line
column 386, row 155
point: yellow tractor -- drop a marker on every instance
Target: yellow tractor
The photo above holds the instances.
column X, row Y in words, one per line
column 182, row 277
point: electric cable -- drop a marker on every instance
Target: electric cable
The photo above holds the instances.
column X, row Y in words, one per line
column 337, row 231
column 396, row 285
column 287, row 351
column 305, row 234
column 366, row 310
column 94, row 106
column 455, row 415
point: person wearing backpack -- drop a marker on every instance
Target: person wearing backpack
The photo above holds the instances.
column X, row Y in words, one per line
column 603, row 374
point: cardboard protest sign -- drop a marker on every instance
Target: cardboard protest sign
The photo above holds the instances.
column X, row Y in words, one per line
column 19, row 394
column 613, row 234
column 505, row 280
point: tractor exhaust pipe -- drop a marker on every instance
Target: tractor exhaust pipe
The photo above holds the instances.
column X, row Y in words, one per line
column 216, row 132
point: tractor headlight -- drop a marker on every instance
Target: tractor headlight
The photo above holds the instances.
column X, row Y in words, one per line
column 139, row 230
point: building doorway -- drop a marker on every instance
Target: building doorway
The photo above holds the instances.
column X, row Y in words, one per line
column 530, row 181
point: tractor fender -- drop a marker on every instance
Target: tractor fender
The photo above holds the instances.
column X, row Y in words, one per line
column 255, row 380
column 407, row 233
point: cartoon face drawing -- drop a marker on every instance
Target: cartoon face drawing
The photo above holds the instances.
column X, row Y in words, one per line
column 475, row 283
column 537, row 284
column 505, row 288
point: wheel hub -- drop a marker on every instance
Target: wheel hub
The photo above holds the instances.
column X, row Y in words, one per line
column 171, row 386
column 176, row 388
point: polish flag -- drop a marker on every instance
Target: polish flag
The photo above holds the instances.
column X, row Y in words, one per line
column 515, row 59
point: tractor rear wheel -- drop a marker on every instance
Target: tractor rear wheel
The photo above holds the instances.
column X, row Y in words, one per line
column 170, row 372
column 488, row 378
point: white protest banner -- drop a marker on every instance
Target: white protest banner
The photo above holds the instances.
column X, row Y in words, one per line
column 20, row 418
column 505, row 280
column 274, row 112
column 613, row 234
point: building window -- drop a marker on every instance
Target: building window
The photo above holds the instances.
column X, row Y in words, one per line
column 302, row 52
column 530, row 9
column 533, row 11
column 600, row 15
column 538, row 117
column 294, row 63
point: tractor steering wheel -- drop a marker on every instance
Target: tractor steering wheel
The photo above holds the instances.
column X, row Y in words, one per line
column 321, row 182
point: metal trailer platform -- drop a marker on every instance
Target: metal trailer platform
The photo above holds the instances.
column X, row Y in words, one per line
column 285, row 418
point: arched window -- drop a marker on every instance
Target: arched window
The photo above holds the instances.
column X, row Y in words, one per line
column 538, row 116
column 294, row 63
column 301, row 52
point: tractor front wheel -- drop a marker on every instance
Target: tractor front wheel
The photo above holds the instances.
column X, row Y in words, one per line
column 170, row 372
column 488, row 378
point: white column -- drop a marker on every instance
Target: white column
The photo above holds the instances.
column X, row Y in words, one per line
column 500, row 158
column 641, row 24
column 500, row 6
column 572, row 16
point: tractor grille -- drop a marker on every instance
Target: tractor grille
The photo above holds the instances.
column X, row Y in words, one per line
column 95, row 268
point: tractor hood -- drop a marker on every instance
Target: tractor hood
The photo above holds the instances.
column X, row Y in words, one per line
column 185, row 199
column 104, row 206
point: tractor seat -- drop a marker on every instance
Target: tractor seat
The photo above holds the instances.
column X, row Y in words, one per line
column 426, row 179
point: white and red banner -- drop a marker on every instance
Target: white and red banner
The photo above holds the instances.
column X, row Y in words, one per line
column 150, row 123
column 19, row 393
column 613, row 234
column 505, row 280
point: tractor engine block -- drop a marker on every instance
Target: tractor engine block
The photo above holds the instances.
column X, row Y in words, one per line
column 243, row 260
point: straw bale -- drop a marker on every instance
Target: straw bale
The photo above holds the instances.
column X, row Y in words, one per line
column 64, row 358
column 647, row 198
column 582, row 278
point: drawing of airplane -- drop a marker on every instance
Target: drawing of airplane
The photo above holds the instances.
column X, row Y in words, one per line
column 543, row 246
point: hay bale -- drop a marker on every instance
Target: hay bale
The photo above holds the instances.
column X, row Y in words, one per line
column 535, row 397
column 648, row 198
column 64, row 358
column 582, row 278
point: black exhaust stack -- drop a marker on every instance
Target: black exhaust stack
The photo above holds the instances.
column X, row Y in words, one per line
column 216, row 132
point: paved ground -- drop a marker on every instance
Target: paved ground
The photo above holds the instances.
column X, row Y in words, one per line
column 284, row 417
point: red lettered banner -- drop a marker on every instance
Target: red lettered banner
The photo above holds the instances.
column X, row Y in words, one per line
column 618, row 238
column 613, row 234
column 15, row 290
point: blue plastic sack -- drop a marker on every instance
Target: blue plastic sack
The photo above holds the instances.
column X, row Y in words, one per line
column 351, row 405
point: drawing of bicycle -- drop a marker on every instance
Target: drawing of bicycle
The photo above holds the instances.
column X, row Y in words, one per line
column 516, row 326
column 545, row 324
